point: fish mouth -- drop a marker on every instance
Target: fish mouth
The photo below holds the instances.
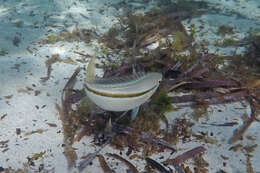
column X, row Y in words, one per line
column 121, row 95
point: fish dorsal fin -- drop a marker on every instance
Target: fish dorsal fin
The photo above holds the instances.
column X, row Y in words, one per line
column 120, row 81
column 90, row 74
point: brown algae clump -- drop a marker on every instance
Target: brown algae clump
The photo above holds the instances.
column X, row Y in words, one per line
column 179, row 130
column 85, row 35
column 181, row 41
column 200, row 111
column 224, row 29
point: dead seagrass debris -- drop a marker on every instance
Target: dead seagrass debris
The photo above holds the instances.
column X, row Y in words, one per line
column 128, row 164
column 200, row 164
column 145, row 137
column 67, row 120
column 227, row 124
column 128, row 132
column 117, row 130
column 76, row 34
column 53, row 59
column 104, row 165
column 3, row 116
column 180, row 130
column 154, row 164
column 239, row 133
column 185, row 156
column 38, row 131
column 90, row 157
column 198, row 75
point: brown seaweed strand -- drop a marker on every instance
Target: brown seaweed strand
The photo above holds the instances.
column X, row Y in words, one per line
column 69, row 85
column 185, row 156
column 104, row 165
column 64, row 111
column 130, row 165
column 84, row 163
column 156, row 165
column 239, row 133
column 199, row 61
column 145, row 137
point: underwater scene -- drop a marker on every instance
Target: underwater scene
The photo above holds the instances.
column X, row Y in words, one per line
column 129, row 86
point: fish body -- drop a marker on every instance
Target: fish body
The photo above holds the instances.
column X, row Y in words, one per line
column 121, row 93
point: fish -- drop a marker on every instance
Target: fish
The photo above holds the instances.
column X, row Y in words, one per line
column 121, row 93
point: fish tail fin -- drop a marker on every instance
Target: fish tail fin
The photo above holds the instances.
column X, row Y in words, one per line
column 134, row 113
column 90, row 74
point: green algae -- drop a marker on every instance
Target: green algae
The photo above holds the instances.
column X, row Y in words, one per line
column 3, row 52
column 162, row 102
column 180, row 42
column 229, row 42
column 52, row 39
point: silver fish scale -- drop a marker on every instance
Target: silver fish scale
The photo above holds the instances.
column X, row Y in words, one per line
column 118, row 81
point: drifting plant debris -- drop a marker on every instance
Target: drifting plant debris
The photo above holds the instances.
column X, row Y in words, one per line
column 248, row 152
column 185, row 156
column 200, row 164
column 181, row 41
column 36, row 156
column 3, row 52
column 129, row 165
column 253, row 53
column 144, row 137
column 4, row 144
column 68, row 121
column 85, row 35
column 238, row 134
column 251, row 138
column 158, row 41
column 205, row 138
column 199, row 111
column 156, row 165
column 250, row 168
column 39, row 131
column 104, row 165
column 237, row 147
column 144, row 30
column 55, row 58
column 223, row 30
column 250, row 149
column 52, row 124
column 3, row 116
column 8, row 96
column 179, row 130
column 228, row 124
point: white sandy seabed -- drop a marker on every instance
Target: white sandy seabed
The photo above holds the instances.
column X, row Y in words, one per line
column 24, row 64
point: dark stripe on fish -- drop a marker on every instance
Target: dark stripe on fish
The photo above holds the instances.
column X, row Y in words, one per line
column 120, row 81
column 119, row 95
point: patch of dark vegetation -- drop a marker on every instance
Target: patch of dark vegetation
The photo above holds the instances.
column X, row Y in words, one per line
column 85, row 35
column 252, row 56
column 224, row 29
column 204, row 79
